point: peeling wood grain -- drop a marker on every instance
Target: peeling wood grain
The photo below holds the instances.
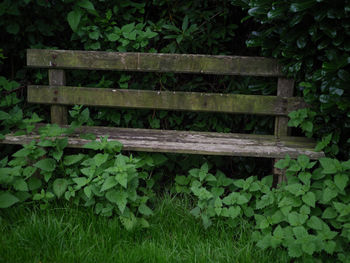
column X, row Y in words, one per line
column 153, row 62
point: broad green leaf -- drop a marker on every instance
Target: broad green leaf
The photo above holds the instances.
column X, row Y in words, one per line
column 305, row 177
column 47, row 164
column 296, row 219
column 94, row 145
column 4, row 115
column 341, row 181
column 294, row 250
column 182, row 180
column 329, row 194
column 20, row 185
column 294, row 188
column 122, row 179
column 241, row 199
column 329, row 246
column 88, row 171
column 300, row 232
column 7, row 199
column 12, row 28
column 34, row 183
column 109, row 183
column 145, row 210
column 346, row 165
column 308, row 247
column 328, row 166
column 234, row 211
column 86, row 4
column 72, row 159
column 310, row 199
column 119, row 198
column 88, row 191
column 315, row 223
column 303, row 161
column 59, row 187
column 80, row 181
column 73, row 19
column 329, row 213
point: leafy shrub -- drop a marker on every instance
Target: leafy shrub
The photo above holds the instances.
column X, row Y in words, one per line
column 311, row 39
column 309, row 216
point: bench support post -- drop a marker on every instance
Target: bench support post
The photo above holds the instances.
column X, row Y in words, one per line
column 285, row 88
column 59, row 114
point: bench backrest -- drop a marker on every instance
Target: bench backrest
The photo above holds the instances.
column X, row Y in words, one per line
column 59, row 95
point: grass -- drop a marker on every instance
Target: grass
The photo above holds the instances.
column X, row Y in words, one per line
column 72, row 234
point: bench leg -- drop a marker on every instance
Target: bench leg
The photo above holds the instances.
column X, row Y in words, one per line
column 278, row 174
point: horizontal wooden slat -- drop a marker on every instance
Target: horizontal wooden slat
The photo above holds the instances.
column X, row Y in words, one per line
column 153, row 62
column 165, row 100
column 207, row 143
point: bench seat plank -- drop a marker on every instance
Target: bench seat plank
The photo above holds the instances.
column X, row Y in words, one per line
column 207, row 143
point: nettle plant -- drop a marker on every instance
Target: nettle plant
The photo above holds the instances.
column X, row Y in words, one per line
column 110, row 182
column 309, row 216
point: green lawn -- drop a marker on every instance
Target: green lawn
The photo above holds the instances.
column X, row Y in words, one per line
column 70, row 234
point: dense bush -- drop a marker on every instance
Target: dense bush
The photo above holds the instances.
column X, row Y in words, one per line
column 311, row 39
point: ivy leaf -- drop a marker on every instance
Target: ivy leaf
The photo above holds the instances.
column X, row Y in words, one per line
column 341, row 181
column 145, row 210
column 73, row 19
column 7, row 200
column 59, row 186
column 119, row 198
column 310, row 199
column 47, row 164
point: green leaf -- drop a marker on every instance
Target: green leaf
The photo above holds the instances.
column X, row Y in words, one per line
column 303, row 161
column 341, row 181
column 4, row 115
column 7, row 200
column 119, row 198
column 88, row 191
column 20, row 185
column 296, row 219
column 329, row 213
column 73, row 19
column 310, row 199
column 59, row 187
column 100, row 159
column 13, row 28
column 80, row 181
column 34, row 183
column 294, row 250
column 315, row 223
column 145, row 210
column 328, row 165
column 329, row 194
column 122, row 179
column 72, row 159
column 308, row 247
column 47, row 164
column 234, row 211
column 109, row 183
column 86, row 4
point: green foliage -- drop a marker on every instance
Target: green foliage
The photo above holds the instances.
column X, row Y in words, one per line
column 309, row 216
column 310, row 39
column 105, row 179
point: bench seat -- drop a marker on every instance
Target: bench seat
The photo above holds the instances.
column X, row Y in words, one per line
column 190, row 142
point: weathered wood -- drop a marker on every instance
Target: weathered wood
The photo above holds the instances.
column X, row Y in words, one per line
column 165, row 100
column 153, row 62
column 59, row 113
column 192, row 142
column 285, row 88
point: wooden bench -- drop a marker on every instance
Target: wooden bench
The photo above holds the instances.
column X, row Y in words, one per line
column 272, row 146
